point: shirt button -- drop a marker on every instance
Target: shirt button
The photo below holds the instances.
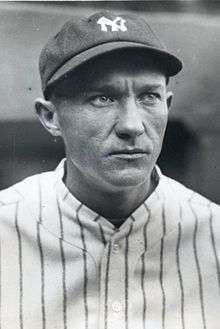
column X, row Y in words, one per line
column 116, row 248
column 116, row 306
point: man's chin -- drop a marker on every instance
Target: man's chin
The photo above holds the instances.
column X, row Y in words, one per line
column 128, row 178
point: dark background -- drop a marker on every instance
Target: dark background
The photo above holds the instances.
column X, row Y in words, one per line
column 191, row 151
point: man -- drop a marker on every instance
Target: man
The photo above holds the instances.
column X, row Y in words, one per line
column 106, row 240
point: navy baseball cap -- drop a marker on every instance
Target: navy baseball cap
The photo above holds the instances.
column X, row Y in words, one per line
column 83, row 38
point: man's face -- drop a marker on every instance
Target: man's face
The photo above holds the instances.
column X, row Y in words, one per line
column 113, row 117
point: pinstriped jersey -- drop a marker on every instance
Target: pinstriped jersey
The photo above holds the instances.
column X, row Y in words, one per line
column 63, row 266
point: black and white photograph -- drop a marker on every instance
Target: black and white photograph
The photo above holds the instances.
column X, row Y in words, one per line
column 110, row 164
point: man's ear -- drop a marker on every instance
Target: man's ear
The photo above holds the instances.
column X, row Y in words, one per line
column 169, row 98
column 46, row 112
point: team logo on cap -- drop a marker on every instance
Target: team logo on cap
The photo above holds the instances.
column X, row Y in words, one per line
column 118, row 24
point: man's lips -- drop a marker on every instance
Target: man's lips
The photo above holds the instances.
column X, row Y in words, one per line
column 129, row 153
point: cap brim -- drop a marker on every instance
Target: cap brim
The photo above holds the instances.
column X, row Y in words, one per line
column 172, row 65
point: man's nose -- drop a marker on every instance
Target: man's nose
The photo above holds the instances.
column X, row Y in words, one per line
column 129, row 121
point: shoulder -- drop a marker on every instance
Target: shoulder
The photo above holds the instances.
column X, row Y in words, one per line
column 200, row 205
column 200, row 211
column 184, row 193
column 24, row 195
column 24, row 189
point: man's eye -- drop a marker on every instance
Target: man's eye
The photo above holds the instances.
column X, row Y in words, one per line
column 101, row 100
column 149, row 98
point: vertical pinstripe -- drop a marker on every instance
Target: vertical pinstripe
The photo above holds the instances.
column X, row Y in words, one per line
column 143, row 270
column 164, row 221
column 63, row 262
column 180, row 275
column 161, row 268
column 127, row 276
column 0, row 286
column 214, row 245
column 143, row 291
column 198, row 267
column 106, row 285
column 100, row 264
column 66, row 195
column 85, row 285
column 20, row 268
column 41, row 261
column 102, row 234
column 97, row 218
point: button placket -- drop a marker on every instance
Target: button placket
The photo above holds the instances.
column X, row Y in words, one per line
column 116, row 248
column 115, row 289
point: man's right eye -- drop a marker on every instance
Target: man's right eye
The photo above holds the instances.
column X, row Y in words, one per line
column 101, row 100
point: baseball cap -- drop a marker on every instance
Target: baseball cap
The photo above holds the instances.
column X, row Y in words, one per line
column 83, row 38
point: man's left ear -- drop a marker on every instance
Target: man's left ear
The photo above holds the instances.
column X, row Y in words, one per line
column 169, row 98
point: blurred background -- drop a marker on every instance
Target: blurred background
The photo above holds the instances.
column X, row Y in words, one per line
column 191, row 152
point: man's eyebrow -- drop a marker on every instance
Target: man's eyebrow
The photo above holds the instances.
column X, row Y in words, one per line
column 150, row 86
column 116, row 88
column 103, row 88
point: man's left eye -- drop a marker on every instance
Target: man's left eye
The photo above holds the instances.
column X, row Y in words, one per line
column 149, row 98
column 101, row 100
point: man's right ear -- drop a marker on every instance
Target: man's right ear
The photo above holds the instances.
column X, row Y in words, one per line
column 47, row 114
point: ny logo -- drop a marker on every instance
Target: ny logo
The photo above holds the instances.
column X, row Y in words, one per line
column 118, row 24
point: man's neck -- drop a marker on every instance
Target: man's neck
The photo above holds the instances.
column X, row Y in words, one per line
column 115, row 206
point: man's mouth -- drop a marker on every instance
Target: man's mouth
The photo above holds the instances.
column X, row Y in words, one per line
column 131, row 153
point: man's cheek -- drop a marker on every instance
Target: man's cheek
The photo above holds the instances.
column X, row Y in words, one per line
column 159, row 125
